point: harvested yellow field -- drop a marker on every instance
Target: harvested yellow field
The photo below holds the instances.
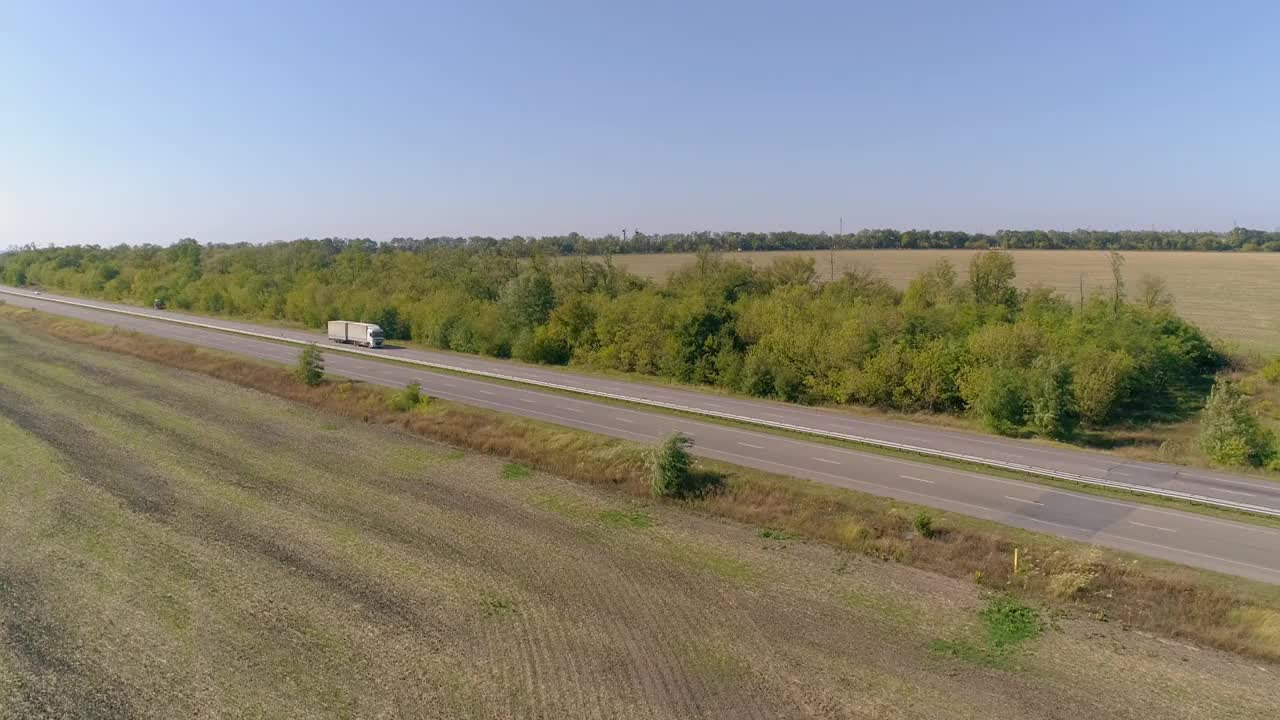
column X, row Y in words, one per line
column 1234, row 296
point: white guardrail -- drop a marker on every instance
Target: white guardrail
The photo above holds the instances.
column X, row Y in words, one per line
column 1002, row 464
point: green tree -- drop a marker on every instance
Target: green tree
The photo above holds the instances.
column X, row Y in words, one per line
column 799, row 271
column 1153, row 292
column 1100, row 380
column 310, row 369
column 932, row 287
column 1117, row 280
column 527, row 300
column 932, row 376
column 542, row 345
column 669, row 464
column 991, row 277
column 1051, row 412
column 997, row 396
column 1271, row 373
column 1229, row 433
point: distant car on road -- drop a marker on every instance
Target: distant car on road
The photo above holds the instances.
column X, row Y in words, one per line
column 35, row 292
column 158, row 304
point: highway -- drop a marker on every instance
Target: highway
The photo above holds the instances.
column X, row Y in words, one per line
column 1225, row 546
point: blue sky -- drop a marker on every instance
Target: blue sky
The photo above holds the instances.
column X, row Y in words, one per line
column 257, row 121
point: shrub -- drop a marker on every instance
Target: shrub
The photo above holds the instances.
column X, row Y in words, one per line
column 924, row 525
column 1052, row 408
column 1076, row 575
column 541, row 346
column 1009, row 622
column 1229, row 432
column 999, row 397
column 310, row 368
column 1099, row 381
column 1271, row 373
column 408, row 398
column 669, row 463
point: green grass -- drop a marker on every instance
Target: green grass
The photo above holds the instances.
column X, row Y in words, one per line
column 498, row 606
column 512, row 471
column 625, row 519
column 1006, row 625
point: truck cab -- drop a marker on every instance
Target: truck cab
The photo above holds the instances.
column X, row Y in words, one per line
column 375, row 336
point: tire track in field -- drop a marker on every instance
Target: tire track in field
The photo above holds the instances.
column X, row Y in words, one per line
column 150, row 493
column 54, row 679
column 91, row 459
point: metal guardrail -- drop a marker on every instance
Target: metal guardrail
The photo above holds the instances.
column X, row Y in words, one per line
column 875, row 442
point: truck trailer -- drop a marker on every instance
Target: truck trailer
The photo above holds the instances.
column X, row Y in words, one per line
column 355, row 333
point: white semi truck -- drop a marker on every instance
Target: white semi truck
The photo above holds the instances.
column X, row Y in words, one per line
column 354, row 333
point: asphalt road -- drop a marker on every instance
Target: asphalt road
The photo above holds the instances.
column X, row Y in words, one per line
column 1225, row 546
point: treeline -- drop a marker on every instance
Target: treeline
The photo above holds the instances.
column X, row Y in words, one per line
column 1238, row 239
column 957, row 340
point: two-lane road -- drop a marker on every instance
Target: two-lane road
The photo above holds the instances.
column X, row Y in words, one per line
column 1226, row 546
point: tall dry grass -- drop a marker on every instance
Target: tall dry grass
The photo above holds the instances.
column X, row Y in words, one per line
column 1237, row 616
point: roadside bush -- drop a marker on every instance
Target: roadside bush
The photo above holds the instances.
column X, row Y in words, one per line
column 999, row 398
column 310, row 369
column 1076, row 575
column 1052, row 408
column 1229, row 432
column 1099, row 381
column 669, row 463
column 924, row 525
column 408, row 398
column 541, row 346
column 1271, row 373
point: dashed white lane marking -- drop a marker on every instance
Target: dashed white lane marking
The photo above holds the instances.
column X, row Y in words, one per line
column 1029, row 502
column 531, row 401
column 757, row 447
column 909, row 477
column 1193, row 553
column 486, row 392
column 624, row 420
column 571, row 409
column 1235, row 492
column 1225, row 480
column 1153, row 527
column 833, row 462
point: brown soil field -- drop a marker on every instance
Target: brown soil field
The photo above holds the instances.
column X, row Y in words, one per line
column 178, row 546
column 1235, row 296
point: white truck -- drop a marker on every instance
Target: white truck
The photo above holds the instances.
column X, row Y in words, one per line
column 355, row 333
